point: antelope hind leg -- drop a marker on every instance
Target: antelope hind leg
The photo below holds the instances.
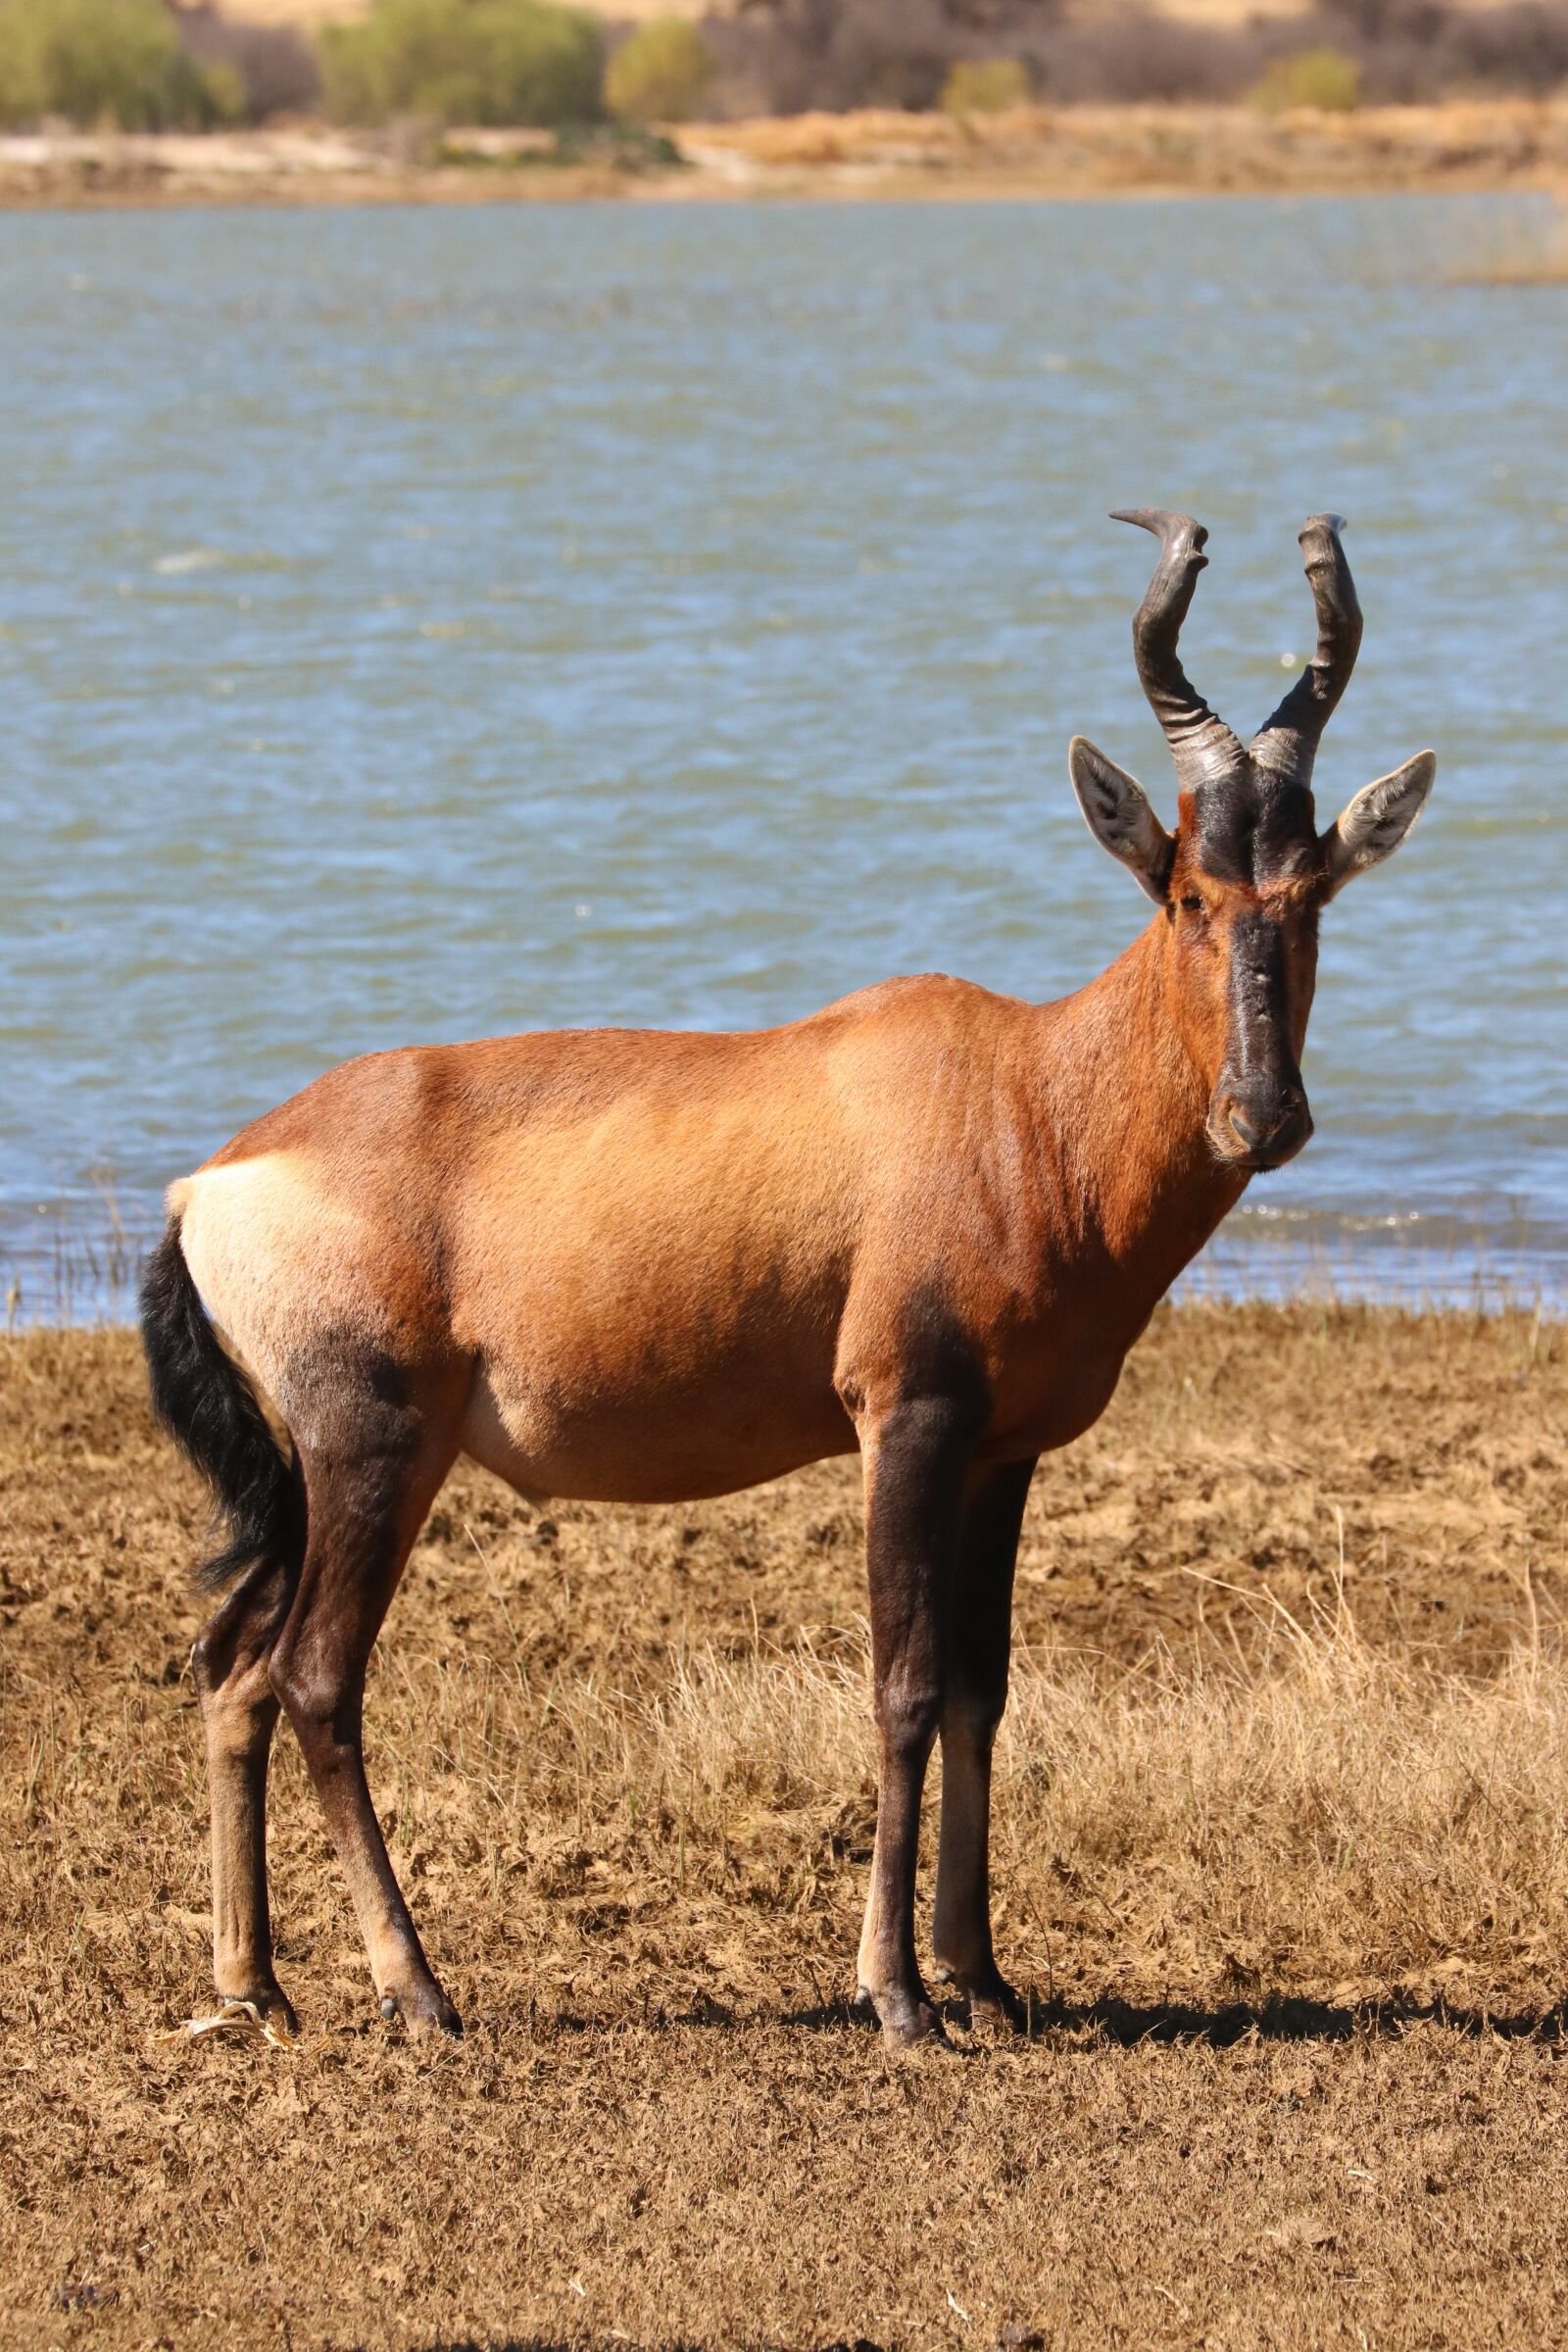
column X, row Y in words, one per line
column 239, row 1712
column 367, row 1488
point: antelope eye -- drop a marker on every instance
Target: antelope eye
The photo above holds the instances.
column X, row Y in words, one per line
column 1192, row 904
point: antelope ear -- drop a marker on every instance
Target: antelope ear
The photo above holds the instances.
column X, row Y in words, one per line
column 1117, row 814
column 1377, row 820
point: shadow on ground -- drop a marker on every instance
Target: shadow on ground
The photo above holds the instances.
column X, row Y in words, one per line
column 1220, row 2026
column 1127, row 2024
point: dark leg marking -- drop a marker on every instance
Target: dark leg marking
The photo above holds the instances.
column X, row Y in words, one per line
column 916, row 1456
column 367, row 1490
column 978, row 1641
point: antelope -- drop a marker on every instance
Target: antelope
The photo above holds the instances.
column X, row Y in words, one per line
column 926, row 1225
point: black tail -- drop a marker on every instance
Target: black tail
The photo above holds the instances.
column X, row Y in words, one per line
column 207, row 1404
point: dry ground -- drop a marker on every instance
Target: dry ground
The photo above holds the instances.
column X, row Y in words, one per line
column 1281, row 1862
column 1177, row 150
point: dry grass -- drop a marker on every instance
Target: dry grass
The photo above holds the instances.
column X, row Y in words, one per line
column 1279, row 1859
column 1323, row 1823
column 1183, row 147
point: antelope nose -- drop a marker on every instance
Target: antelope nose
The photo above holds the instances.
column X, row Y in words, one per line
column 1271, row 1140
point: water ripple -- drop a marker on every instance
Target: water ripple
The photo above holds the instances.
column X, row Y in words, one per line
column 419, row 625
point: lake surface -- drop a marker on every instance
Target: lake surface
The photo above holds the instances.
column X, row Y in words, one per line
column 421, row 625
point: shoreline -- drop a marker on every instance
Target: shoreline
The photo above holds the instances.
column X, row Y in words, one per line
column 1501, row 146
column 74, row 1278
column 42, row 1300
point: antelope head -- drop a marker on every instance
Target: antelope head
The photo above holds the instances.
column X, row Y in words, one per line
column 1241, row 880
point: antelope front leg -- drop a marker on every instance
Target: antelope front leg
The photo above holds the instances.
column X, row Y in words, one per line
column 979, row 1637
column 916, row 1456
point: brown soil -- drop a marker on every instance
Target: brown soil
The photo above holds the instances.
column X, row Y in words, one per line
column 1175, row 150
column 1294, row 2079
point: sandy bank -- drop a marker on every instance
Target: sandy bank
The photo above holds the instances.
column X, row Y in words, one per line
column 1080, row 151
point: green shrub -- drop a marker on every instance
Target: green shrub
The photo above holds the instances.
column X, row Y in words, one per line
column 486, row 62
column 118, row 61
column 1322, row 77
column 662, row 74
column 986, row 85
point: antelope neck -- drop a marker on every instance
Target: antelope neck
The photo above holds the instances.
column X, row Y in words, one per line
column 1124, row 1106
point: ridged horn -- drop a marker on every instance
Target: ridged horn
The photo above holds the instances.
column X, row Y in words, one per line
column 1201, row 745
column 1287, row 743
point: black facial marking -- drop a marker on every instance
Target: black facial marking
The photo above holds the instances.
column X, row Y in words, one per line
column 1260, row 1089
column 1259, row 1003
column 1254, row 827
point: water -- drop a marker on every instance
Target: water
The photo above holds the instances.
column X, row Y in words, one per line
column 421, row 625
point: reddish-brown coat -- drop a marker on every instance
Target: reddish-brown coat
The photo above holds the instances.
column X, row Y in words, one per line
column 675, row 1264
column 928, row 1222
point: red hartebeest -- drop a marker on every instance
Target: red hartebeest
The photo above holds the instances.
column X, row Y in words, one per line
column 927, row 1223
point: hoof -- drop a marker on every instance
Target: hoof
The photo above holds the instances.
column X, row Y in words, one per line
column 994, row 2007
column 1001, row 2019
column 425, row 2011
column 921, row 2031
column 274, row 2012
column 262, row 2012
column 999, row 2010
column 907, row 2021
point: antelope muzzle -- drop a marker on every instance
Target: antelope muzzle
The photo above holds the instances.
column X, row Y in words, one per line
column 1258, row 1123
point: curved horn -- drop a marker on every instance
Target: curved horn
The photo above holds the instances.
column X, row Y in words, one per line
column 1202, row 746
column 1287, row 741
